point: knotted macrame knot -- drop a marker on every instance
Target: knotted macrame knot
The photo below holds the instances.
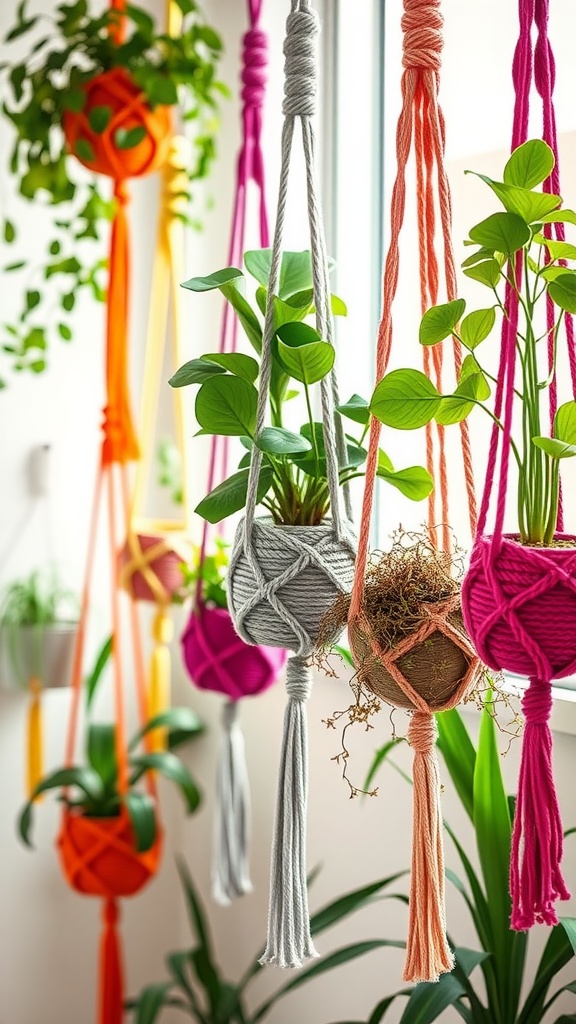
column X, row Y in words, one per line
column 121, row 193
column 298, row 678
column 422, row 27
column 537, row 702
column 255, row 63
column 422, row 732
column 300, row 70
column 229, row 714
column 110, row 912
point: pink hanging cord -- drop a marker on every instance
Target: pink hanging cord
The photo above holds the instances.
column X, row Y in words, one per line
column 250, row 167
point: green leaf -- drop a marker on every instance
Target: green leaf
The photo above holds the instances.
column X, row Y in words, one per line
column 439, row 322
column 86, row 779
column 92, row 681
column 99, row 119
column 356, row 409
column 405, row 399
column 32, row 299
column 295, row 270
column 101, row 751
column 231, row 283
column 380, row 757
column 562, row 291
column 64, row 332
column 84, row 150
column 216, row 280
column 161, row 90
column 230, row 496
column 505, row 232
column 327, row 963
column 493, row 834
column 307, row 361
column 278, row 441
column 172, row 768
column 487, row 273
column 195, row 371
column 560, row 217
column 196, row 911
column 9, row 231
column 129, row 138
column 530, row 164
column 473, row 387
column 529, row 206
column 346, row 905
column 184, row 721
column 459, row 755
column 430, row 999
column 476, row 327
column 227, row 405
column 555, row 448
column 151, row 1001
column 479, row 256
column 68, row 302
column 557, row 250
column 142, row 813
column 236, row 363
column 415, row 482
column 565, row 422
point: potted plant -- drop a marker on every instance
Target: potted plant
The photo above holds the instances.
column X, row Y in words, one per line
column 197, row 986
column 519, row 599
column 495, row 980
column 101, row 87
column 293, row 483
column 38, row 626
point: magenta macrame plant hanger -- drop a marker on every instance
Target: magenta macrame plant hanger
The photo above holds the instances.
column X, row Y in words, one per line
column 215, row 656
column 536, row 881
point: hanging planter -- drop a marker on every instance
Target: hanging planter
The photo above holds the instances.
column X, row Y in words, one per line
column 150, row 568
column 409, row 637
column 101, row 88
column 99, row 856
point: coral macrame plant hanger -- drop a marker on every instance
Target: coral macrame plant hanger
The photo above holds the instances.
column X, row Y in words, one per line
column 98, row 855
column 155, row 548
column 520, row 602
column 216, row 657
column 421, row 128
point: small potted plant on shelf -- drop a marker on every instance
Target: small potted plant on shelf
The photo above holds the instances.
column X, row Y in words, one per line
column 100, row 86
column 519, row 593
column 38, row 626
column 293, row 481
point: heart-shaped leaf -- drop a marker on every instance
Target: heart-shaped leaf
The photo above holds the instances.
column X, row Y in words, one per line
column 439, row 322
column 230, row 496
column 405, row 399
column 227, row 405
column 278, row 441
column 414, row 482
column 477, row 326
column 555, row 448
column 562, row 291
column 504, row 232
column 565, row 423
column 530, row 164
column 195, row 371
column 236, row 363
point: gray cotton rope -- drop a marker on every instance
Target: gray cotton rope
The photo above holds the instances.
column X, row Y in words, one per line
column 312, row 556
column 231, row 876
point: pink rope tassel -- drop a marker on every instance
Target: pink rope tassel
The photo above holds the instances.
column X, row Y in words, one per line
column 536, row 881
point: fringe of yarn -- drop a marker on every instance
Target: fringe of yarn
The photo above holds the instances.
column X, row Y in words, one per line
column 231, row 876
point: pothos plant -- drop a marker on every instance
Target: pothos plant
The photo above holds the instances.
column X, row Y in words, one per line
column 91, row 789
column 293, row 485
column 512, row 252
column 67, row 49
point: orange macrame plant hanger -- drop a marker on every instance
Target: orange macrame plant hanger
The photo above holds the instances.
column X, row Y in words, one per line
column 98, row 855
column 421, row 128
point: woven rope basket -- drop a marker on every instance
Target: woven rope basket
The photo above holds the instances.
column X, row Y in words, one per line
column 304, row 568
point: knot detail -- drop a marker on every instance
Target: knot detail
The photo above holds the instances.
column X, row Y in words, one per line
column 537, row 702
column 519, row 606
column 300, row 67
column 283, row 579
column 298, row 679
column 229, row 714
column 422, row 732
column 422, row 43
column 255, row 63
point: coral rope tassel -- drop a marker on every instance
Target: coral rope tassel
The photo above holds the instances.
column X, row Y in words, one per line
column 111, row 996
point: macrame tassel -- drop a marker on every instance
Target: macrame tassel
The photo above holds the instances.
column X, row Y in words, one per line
column 535, row 878
column 160, row 670
column 111, row 999
column 35, row 736
column 231, row 876
column 289, row 941
column 427, row 952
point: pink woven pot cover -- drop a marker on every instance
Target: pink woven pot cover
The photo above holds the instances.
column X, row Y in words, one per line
column 218, row 660
column 152, row 573
column 519, row 607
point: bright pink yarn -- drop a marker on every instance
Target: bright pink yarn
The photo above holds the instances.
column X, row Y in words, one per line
column 519, row 606
column 218, row 660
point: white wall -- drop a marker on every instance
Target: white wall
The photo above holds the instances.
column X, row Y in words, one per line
column 48, row 936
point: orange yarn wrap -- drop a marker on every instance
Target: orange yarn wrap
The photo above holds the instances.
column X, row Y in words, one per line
column 421, row 125
column 98, row 855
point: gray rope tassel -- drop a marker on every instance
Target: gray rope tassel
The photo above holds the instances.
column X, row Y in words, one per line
column 230, row 872
column 289, row 940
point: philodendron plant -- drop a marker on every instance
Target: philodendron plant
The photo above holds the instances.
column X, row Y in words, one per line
column 512, row 252
column 293, row 485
